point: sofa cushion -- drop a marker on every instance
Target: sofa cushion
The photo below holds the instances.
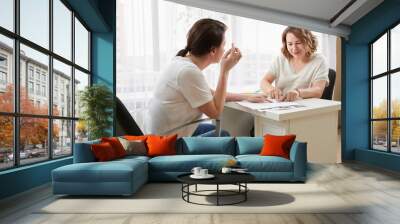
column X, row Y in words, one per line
column 133, row 147
column 83, row 152
column 116, row 145
column 103, row 152
column 161, row 145
column 257, row 163
column 112, row 171
column 249, row 145
column 185, row 163
column 206, row 145
column 275, row 145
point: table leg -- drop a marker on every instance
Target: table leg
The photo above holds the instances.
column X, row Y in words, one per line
column 245, row 191
column 217, row 194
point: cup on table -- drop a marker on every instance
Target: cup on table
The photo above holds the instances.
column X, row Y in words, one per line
column 196, row 170
column 226, row 170
column 203, row 172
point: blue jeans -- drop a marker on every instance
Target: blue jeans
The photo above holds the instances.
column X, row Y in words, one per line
column 208, row 130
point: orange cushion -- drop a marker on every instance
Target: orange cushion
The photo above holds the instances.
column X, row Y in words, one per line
column 103, row 151
column 136, row 137
column 277, row 145
column 161, row 145
column 116, row 145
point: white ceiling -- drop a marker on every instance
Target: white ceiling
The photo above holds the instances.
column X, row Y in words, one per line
column 318, row 9
column 311, row 14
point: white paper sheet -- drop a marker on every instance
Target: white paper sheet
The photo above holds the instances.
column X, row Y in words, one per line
column 270, row 106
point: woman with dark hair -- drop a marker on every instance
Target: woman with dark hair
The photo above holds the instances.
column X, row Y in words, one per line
column 299, row 72
column 182, row 94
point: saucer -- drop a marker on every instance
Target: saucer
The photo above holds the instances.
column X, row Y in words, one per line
column 208, row 176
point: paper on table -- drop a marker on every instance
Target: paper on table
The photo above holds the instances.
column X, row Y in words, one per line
column 265, row 106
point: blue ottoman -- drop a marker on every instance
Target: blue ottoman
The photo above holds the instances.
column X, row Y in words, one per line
column 119, row 177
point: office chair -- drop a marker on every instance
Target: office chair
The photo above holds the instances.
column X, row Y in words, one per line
column 217, row 126
column 126, row 125
column 328, row 91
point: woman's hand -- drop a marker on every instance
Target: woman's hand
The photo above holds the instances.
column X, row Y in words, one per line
column 275, row 93
column 230, row 59
column 292, row 95
column 257, row 98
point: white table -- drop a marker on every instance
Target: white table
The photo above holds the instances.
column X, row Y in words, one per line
column 316, row 124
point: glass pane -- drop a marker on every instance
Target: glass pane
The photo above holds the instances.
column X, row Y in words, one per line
column 34, row 81
column 395, row 136
column 33, row 139
column 62, row 89
column 62, row 29
column 35, row 21
column 7, row 14
column 395, row 47
column 379, row 135
column 81, row 81
column 81, row 131
column 6, row 142
column 379, row 55
column 81, row 45
column 379, row 98
column 6, row 74
column 62, row 141
column 395, row 94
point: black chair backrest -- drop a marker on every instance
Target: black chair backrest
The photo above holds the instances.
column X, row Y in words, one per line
column 126, row 125
column 328, row 91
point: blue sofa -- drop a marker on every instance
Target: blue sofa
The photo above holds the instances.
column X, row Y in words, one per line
column 125, row 176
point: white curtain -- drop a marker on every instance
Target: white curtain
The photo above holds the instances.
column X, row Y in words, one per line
column 150, row 33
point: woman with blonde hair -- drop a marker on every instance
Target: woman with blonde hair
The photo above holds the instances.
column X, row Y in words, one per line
column 298, row 72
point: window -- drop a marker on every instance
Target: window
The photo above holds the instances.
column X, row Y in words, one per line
column 7, row 14
column 62, row 29
column 385, row 97
column 6, row 74
column 30, row 72
column 3, row 61
column 35, row 21
column 30, row 87
column 44, row 91
column 45, row 131
column 3, row 78
column 62, row 74
column 81, row 45
column 6, row 142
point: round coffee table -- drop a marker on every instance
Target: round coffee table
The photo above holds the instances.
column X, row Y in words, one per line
column 238, row 179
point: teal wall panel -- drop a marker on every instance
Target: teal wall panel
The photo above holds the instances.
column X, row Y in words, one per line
column 355, row 96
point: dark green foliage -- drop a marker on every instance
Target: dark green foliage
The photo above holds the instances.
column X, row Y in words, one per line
column 97, row 103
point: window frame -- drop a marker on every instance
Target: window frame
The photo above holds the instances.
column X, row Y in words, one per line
column 388, row 74
column 15, row 71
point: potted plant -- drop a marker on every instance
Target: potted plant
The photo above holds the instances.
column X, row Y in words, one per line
column 96, row 103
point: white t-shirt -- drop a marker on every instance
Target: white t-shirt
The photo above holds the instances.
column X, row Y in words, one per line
column 286, row 79
column 181, row 89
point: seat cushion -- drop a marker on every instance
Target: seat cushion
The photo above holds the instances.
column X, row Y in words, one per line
column 257, row 163
column 184, row 163
column 206, row 145
column 111, row 171
column 249, row 145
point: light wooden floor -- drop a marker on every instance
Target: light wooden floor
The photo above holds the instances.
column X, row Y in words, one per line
column 353, row 182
